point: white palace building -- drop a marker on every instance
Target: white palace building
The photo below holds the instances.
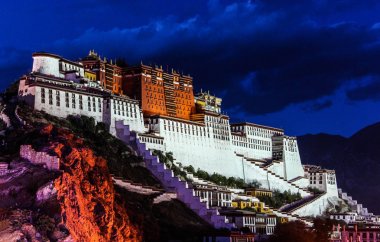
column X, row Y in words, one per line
column 162, row 109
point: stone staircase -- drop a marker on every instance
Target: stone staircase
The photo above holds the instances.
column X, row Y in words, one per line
column 354, row 205
column 167, row 196
column 135, row 187
column 296, row 179
column 273, row 176
column 170, row 182
column 292, row 217
column 289, row 208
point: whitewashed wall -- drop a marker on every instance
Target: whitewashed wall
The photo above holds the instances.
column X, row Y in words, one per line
column 47, row 65
column 292, row 159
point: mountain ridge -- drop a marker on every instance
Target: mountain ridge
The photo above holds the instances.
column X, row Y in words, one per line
column 354, row 159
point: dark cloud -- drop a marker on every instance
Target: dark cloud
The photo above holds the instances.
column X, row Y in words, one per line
column 260, row 56
column 368, row 92
column 318, row 106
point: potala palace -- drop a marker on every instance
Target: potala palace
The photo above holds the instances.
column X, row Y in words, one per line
column 154, row 109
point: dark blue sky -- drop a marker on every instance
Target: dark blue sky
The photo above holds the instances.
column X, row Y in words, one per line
column 306, row 66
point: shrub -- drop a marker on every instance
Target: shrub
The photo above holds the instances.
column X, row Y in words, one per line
column 280, row 198
column 44, row 224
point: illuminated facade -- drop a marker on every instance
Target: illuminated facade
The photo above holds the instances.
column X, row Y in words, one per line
column 160, row 92
column 160, row 107
column 107, row 72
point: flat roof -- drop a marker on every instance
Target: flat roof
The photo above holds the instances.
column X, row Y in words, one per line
column 176, row 119
column 57, row 57
column 46, row 54
column 257, row 125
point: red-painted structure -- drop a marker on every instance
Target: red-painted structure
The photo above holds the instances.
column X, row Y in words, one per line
column 356, row 233
column 160, row 93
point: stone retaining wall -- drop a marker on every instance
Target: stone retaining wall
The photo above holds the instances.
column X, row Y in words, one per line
column 171, row 183
column 39, row 158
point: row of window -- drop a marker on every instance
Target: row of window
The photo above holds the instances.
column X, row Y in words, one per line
column 213, row 195
column 291, row 145
column 154, row 89
column 255, row 131
column 182, row 101
column 247, row 220
column 158, row 81
column 93, row 104
column 251, row 146
column 216, row 120
column 69, row 67
column 151, row 140
column 193, row 130
column 124, row 109
column 251, row 141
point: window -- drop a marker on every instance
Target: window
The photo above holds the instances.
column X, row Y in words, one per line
column 67, row 100
column 50, row 97
column 89, row 103
column 42, row 95
column 57, row 98
column 99, row 105
column 93, row 104
column 73, row 100
column 80, row 102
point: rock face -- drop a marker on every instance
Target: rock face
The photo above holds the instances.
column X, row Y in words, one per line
column 86, row 194
column 45, row 193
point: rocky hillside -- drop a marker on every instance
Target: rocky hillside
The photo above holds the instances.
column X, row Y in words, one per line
column 80, row 202
column 356, row 160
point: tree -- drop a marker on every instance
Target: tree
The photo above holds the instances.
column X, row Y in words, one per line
column 190, row 169
column 292, row 232
column 323, row 227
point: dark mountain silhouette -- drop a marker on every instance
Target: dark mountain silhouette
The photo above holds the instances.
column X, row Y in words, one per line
column 356, row 161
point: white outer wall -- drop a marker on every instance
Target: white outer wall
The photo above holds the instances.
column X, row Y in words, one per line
column 278, row 168
column 268, row 180
column 303, row 182
column 292, row 159
column 327, row 184
column 32, row 95
column 67, row 66
column 129, row 112
column 152, row 143
column 212, row 155
column 255, row 142
column 47, row 65
column 201, row 151
column 316, row 207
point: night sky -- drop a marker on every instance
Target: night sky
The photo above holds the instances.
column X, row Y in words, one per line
column 305, row 66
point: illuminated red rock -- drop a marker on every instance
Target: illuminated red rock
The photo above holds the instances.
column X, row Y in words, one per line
column 86, row 193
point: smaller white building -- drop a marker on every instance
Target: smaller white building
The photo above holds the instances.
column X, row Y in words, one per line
column 258, row 223
column 322, row 179
column 56, row 66
column 61, row 98
column 213, row 195
column 349, row 217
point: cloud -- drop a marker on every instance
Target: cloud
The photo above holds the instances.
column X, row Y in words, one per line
column 318, row 106
column 267, row 54
column 367, row 92
column 13, row 64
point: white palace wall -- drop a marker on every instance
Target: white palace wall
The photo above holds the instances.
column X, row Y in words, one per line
column 207, row 145
column 61, row 99
column 248, row 151
column 292, row 159
column 253, row 141
column 48, row 65
column 192, row 144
